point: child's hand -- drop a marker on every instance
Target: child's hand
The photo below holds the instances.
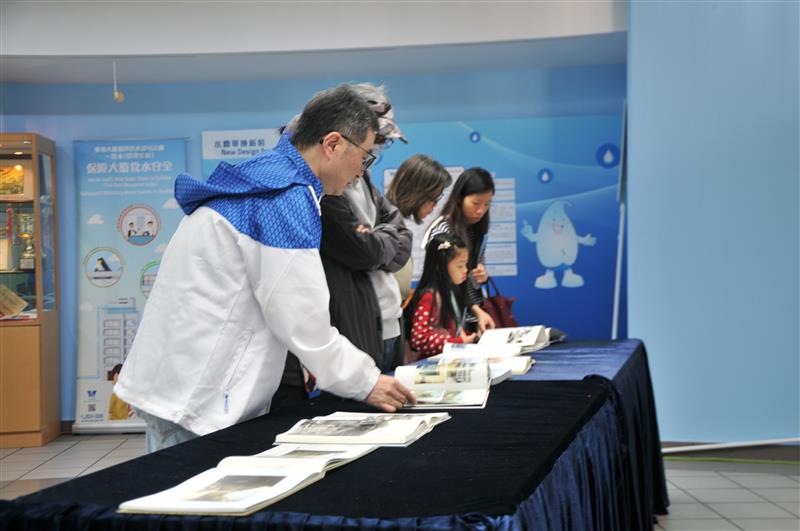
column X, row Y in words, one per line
column 485, row 322
column 468, row 338
column 362, row 229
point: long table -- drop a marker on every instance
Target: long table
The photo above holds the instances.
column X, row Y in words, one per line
column 562, row 448
column 624, row 362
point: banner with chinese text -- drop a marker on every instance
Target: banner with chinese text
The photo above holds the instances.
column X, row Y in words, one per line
column 127, row 215
column 235, row 146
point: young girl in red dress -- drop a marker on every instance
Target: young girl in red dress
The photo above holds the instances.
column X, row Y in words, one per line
column 437, row 309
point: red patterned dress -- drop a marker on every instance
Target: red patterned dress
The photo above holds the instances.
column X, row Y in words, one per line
column 427, row 335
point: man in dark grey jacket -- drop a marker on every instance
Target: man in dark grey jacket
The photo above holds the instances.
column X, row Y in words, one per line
column 364, row 241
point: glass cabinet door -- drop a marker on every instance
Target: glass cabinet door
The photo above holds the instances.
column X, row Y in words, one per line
column 46, row 236
column 17, row 261
column 27, row 233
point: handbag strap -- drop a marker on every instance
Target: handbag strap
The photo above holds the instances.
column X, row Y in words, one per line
column 490, row 282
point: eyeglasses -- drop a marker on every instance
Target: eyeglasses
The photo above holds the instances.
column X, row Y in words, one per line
column 382, row 141
column 368, row 160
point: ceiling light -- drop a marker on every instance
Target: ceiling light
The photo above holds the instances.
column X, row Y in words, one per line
column 119, row 97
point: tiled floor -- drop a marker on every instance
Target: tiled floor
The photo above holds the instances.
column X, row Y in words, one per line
column 705, row 496
column 710, row 496
column 26, row 470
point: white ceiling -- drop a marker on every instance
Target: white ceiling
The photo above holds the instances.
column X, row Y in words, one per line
column 606, row 48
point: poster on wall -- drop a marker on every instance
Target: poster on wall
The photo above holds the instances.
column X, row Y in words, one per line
column 554, row 216
column 235, row 146
column 127, row 214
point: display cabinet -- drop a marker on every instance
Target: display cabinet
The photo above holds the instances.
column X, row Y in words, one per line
column 29, row 305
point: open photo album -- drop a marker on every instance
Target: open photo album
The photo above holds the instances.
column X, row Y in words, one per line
column 498, row 362
column 520, row 339
column 240, row 485
column 380, row 429
column 449, row 382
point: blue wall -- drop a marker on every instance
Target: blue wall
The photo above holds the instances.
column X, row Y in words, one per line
column 71, row 112
column 713, row 214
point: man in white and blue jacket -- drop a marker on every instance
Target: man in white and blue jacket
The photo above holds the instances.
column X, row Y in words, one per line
column 241, row 282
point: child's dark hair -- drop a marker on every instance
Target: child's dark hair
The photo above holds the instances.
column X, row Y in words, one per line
column 438, row 253
column 471, row 181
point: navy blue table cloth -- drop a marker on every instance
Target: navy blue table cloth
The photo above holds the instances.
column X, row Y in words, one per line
column 577, row 451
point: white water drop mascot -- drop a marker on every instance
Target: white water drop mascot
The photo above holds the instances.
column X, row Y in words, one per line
column 557, row 246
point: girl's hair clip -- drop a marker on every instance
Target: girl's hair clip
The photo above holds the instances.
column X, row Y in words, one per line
column 443, row 246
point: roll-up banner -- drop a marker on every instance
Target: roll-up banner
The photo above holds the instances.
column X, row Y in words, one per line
column 127, row 214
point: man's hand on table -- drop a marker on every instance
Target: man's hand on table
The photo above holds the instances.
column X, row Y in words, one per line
column 389, row 394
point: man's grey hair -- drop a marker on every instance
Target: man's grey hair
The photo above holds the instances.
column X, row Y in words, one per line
column 377, row 98
column 340, row 109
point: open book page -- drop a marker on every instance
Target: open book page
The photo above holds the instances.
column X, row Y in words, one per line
column 478, row 350
column 447, row 382
column 381, row 429
column 523, row 338
column 228, row 491
column 317, row 457
column 498, row 373
column 518, row 363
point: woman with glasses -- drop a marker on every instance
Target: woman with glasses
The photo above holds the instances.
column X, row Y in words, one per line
column 415, row 190
column 466, row 214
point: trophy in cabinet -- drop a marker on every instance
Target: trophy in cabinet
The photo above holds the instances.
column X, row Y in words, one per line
column 27, row 260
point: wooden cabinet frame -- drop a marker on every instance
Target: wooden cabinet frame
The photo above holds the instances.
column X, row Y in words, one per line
column 29, row 345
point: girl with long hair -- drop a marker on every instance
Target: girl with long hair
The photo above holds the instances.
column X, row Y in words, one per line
column 466, row 215
column 437, row 309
